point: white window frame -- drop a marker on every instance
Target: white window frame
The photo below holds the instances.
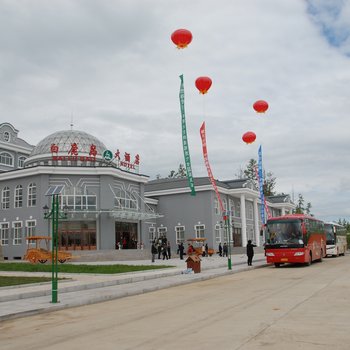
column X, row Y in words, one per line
column 216, row 206
column 18, row 197
column 199, row 230
column 237, row 212
column 152, row 233
column 31, row 195
column 5, row 200
column 180, row 234
column 4, row 233
column 17, row 232
column 6, row 159
column 78, row 200
column 162, row 231
column 7, row 136
column 125, row 200
column 224, row 203
column 250, row 214
column 30, row 229
column 217, row 230
column 21, row 161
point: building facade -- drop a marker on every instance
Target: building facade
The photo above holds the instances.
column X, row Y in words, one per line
column 109, row 204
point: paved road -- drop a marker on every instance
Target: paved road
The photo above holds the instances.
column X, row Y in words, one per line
column 267, row 308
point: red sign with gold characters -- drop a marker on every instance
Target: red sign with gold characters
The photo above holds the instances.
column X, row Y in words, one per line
column 73, row 155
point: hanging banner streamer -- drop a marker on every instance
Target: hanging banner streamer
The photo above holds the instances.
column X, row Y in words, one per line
column 206, row 161
column 184, row 138
column 261, row 188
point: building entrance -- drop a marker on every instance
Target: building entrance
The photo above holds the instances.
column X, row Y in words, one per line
column 126, row 235
column 237, row 237
column 77, row 235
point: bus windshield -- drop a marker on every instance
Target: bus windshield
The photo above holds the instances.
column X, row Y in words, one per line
column 330, row 237
column 284, row 234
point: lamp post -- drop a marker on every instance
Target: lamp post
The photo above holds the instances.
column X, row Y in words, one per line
column 54, row 214
column 226, row 218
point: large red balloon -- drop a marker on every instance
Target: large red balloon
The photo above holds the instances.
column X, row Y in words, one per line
column 181, row 38
column 249, row 137
column 203, row 84
column 260, row 106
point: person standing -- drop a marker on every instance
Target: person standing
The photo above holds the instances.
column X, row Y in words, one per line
column 250, row 252
column 225, row 250
column 220, row 249
column 164, row 252
column 168, row 250
column 203, row 250
column 181, row 251
column 154, row 251
column 206, row 249
column 159, row 249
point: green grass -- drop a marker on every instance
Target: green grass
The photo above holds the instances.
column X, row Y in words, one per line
column 6, row 281
column 68, row 268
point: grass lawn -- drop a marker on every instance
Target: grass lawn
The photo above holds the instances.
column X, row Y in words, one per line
column 68, row 268
column 6, row 281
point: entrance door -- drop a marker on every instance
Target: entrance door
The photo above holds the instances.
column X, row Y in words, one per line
column 126, row 235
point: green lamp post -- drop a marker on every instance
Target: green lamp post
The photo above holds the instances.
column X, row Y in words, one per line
column 54, row 214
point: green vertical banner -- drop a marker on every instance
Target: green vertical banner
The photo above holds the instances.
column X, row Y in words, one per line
column 184, row 138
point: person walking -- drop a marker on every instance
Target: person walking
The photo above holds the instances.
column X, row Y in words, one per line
column 154, row 251
column 220, row 249
column 181, row 251
column 164, row 252
column 250, row 252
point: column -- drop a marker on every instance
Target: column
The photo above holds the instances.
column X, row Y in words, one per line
column 256, row 222
column 283, row 211
column 243, row 221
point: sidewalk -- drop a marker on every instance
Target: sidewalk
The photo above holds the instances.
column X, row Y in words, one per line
column 84, row 289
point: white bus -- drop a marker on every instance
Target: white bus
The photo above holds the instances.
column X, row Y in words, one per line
column 336, row 239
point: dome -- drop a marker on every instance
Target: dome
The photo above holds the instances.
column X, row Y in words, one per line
column 64, row 139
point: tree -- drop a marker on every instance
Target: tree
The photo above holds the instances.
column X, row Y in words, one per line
column 269, row 180
column 300, row 208
column 180, row 173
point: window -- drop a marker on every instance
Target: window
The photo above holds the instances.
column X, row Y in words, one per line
column 30, row 228
column 6, row 159
column 224, row 203
column 237, row 213
column 180, row 234
column 250, row 211
column 18, row 196
column 5, row 198
column 21, row 162
column 77, row 198
column 232, row 207
column 151, row 233
column 17, row 232
column 125, row 200
column 162, row 231
column 6, row 136
column 32, row 195
column 199, row 230
column 217, row 233
column 4, row 233
column 216, row 206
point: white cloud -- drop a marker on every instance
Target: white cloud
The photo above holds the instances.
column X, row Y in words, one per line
column 112, row 65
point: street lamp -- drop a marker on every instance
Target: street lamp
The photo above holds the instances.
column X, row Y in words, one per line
column 54, row 214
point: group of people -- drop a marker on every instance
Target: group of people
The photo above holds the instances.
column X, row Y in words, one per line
column 162, row 248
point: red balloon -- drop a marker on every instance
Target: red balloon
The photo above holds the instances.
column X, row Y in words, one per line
column 249, row 137
column 181, row 38
column 203, row 84
column 260, row 106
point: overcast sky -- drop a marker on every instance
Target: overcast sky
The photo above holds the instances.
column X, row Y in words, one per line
column 112, row 66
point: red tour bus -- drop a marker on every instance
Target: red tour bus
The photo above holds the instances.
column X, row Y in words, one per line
column 296, row 238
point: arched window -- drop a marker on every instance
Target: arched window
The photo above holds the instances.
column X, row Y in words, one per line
column 6, row 136
column 5, row 198
column 19, row 196
column 6, row 159
column 21, row 161
column 31, row 195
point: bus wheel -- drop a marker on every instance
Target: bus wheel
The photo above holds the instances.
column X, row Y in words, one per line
column 310, row 260
column 277, row 264
column 321, row 257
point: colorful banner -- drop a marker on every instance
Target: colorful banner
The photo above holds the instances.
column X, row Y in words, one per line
column 206, row 161
column 261, row 186
column 184, row 138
